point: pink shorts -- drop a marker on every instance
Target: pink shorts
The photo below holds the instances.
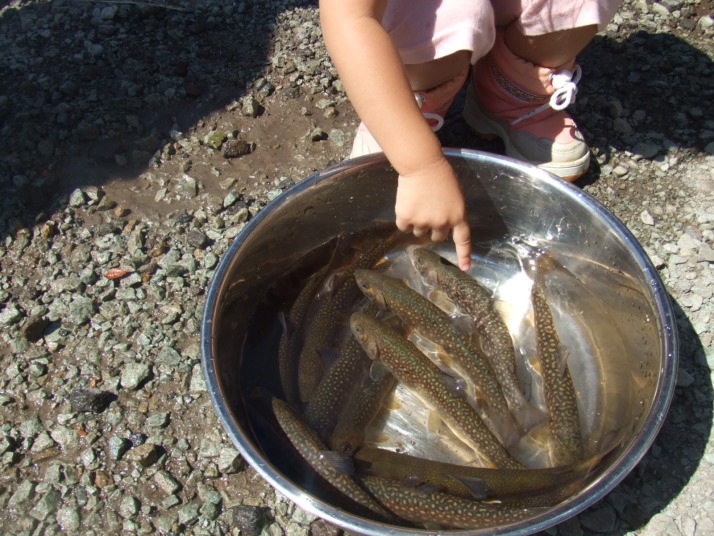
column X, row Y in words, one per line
column 424, row 30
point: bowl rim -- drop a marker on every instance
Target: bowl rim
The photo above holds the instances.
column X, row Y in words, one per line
column 621, row 467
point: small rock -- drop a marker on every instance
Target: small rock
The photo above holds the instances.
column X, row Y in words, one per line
column 128, row 507
column 145, row 455
column 317, row 134
column 250, row 106
column 229, row 461
column 158, row 420
column 134, row 375
column 90, row 399
column 10, row 315
column 320, row 527
column 187, row 186
column 646, row 218
column 215, row 139
column 197, row 239
column 647, row 150
column 250, row 519
column 47, row 505
column 188, row 514
column 237, row 148
column 77, row 198
column 118, row 447
column 337, row 137
column 166, row 482
column 24, row 492
column 68, row 518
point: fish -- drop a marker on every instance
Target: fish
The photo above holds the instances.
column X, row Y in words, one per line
column 317, row 455
column 319, row 334
column 362, row 408
column 459, row 353
column 530, row 487
column 418, row 373
column 566, row 444
column 290, row 340
column 437, row 509
column 335, row 388
column 491, row 332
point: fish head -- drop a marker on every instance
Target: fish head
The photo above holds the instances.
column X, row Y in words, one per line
column 363, row 328
column 371, row 284
column 428, row 264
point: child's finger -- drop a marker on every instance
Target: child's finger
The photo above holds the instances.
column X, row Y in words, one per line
column 462, row 240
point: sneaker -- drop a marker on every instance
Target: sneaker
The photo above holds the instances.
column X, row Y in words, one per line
column 523, row 104
column 434, row 104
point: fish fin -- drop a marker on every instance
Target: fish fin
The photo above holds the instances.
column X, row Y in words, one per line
column 342, row 463
column 426, row 489
column 528, row 417
column 328, row 356
column 463, row 323
column 378, row 370
column 477, row 486
column 458, row 385
column 392, row 403
column 411, row 481
column 562, row 356
column 442, row 301
column 433, row 422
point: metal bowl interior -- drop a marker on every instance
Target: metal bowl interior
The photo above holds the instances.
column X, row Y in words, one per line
column 505, row 199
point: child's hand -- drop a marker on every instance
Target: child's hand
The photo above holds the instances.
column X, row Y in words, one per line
column 430, row 204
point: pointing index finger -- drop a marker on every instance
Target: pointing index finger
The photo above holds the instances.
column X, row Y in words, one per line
column 462, row 240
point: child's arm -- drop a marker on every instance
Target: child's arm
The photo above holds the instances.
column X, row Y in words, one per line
column 429, row 200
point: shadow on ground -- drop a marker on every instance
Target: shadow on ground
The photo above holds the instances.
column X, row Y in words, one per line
column 92, row 91
column 648, row 95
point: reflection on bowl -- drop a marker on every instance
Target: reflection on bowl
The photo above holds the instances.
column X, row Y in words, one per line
column 621, row 326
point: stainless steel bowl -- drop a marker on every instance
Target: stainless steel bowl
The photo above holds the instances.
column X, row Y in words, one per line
column 505, row 198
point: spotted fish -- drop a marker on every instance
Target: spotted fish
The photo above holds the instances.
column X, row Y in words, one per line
column 492, row 333
column 364, row 405
column 319, row 335
column 532, row 487
column 459, row 354
column 566, row 444
column 436, row 509
column 309, row 445
column 416, row 372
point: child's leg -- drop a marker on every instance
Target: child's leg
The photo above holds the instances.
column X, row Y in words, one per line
column 437, row 42
column 533, row 58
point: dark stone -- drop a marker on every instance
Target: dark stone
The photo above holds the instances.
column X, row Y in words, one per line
column 320, row 527
column 196, row 239
column 250, row 519
column 237, row 148
column 34, row 328
column 85, row 399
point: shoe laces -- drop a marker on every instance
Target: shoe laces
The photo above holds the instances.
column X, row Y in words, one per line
column 439, row 121
column 565, row 83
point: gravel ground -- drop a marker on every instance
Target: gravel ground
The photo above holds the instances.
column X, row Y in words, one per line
column 137, row 140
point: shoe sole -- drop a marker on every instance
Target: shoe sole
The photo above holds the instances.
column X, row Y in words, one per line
column 484, row 125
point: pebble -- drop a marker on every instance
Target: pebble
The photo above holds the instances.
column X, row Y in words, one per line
column 10, row 315
column 145, row 455
column 134, row 375
column 117, row 447
column 250, row 520
column 646, row 218
column 167, row 483
column 90, row 399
